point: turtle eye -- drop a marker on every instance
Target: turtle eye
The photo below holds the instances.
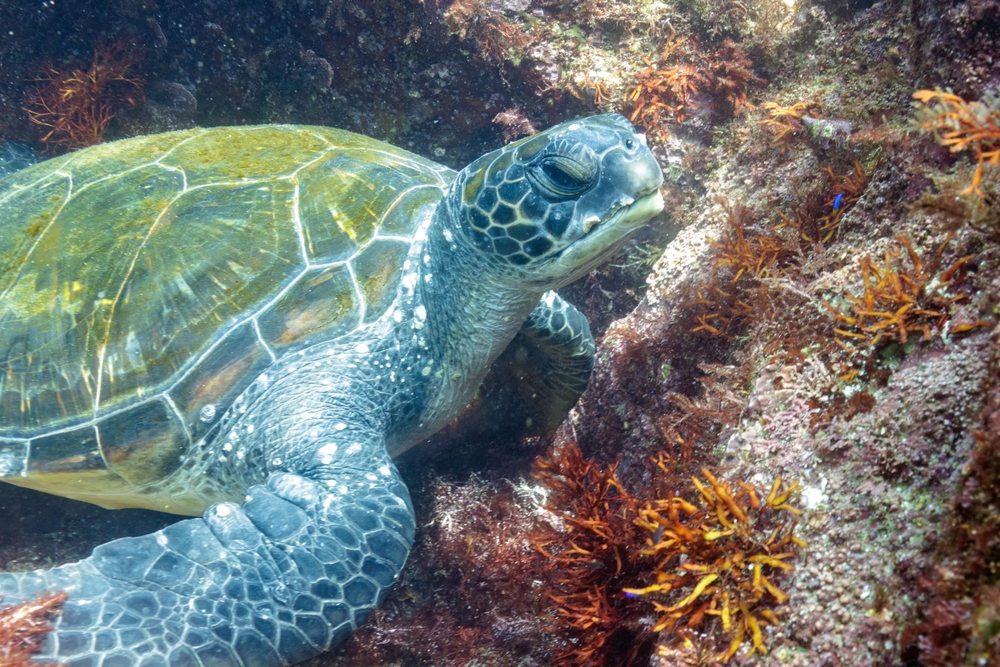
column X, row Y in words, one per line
column 562, row 175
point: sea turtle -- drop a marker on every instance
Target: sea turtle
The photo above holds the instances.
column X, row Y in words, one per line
column 246, row 324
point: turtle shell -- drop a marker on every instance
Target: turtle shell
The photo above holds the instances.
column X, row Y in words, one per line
column 145, row 283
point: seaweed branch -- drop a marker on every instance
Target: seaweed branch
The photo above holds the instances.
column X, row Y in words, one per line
column 707, row 568
column 77, row 106
column 24, row 626
column 962, row 125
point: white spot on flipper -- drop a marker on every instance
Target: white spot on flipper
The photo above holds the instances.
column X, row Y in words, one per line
column 354, row 449
column 326, row 453
column 409, row 281
column 361, row 348
column 340, row 426
column 384, row 471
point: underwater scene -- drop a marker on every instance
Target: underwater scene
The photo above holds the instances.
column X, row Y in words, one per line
column 500, row 333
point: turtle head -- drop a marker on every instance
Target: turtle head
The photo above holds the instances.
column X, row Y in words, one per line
column 553, row 206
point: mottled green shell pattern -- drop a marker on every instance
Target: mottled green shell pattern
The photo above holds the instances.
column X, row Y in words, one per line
column 144, row 283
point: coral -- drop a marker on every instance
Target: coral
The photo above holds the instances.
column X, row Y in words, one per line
column 710, row 565
column 76, row 106
column 961, row 126
column 24, row 626
column 897, row 299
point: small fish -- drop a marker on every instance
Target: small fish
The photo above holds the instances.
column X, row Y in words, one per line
column 838, row 200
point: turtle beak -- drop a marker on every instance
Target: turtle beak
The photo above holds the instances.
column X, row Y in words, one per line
column 613, row 232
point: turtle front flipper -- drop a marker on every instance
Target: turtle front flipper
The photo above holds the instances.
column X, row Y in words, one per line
column 282, row 577
column 540, row 375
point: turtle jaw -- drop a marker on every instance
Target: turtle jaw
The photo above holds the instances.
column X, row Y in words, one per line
column 608, row 235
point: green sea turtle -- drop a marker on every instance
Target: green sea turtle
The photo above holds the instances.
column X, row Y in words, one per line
column 246, row 325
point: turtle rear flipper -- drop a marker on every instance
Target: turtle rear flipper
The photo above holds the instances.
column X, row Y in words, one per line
column 282, row 577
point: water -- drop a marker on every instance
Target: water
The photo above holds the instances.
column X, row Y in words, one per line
column 15, row 156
